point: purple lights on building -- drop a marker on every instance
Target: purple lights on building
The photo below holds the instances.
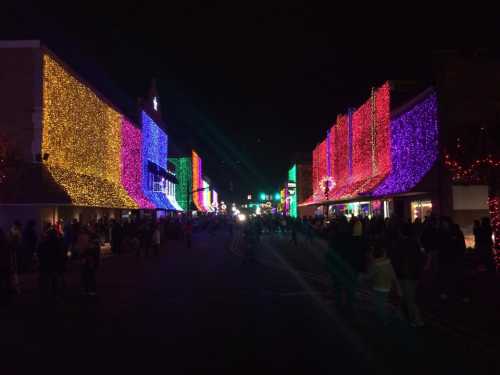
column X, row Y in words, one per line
column 414, row 147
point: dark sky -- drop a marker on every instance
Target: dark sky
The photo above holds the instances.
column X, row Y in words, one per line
column 252, row 86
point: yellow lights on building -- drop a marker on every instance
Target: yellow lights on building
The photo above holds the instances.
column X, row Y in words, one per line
column 82, row 136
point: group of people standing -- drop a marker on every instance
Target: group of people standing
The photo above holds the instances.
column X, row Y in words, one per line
column 390, row 256
column 22, row 250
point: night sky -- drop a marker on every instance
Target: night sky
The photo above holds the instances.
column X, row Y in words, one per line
column 249, row 87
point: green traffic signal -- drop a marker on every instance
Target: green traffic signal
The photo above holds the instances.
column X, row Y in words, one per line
column 262, row 196
column 277, row 196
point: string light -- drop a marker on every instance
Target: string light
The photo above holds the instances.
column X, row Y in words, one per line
column 494, row 208
column 329, row 152
column 362, row 143
column 414, row 147
column 82, row 136
column 207, row 201
column 154, row 151
column 341, row 151
column 322, row 167
column 383, row 130
column 184, row 178
column 215, row 200
column 366, row 136
column 315, row 173
column 385, row 157
column 197, row 182
column 131, row 164
column 292, row 177
column 472, row 174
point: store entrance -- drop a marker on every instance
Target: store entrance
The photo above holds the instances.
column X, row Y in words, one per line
column 420, row 209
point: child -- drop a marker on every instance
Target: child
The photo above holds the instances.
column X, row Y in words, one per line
column 383, row 278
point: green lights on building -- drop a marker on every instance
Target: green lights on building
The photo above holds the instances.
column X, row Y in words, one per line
column 184, row 176
column 292, row 191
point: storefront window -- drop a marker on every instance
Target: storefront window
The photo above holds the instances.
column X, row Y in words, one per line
column 387, row 209
column 420, row 209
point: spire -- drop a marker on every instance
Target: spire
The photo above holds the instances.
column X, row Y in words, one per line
column 153, row 98
column 152, row 103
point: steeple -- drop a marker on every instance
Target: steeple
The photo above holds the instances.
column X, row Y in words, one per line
column 152, row 102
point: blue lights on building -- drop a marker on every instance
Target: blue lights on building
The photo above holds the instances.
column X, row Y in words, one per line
column 154, row 163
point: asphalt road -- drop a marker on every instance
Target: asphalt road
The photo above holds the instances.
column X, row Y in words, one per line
column 207, row 308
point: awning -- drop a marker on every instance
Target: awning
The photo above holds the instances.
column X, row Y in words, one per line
column 308, row 202
column 174, row 204
column 92, row 191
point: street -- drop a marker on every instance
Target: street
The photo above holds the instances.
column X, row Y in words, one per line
column 213, row 308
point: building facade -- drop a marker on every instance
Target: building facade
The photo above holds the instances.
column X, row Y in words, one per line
column 79, row 156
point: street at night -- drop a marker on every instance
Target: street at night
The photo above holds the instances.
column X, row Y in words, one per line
column 212, row 307
column 200, row 187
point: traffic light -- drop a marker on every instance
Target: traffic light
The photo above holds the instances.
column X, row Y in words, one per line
column 277, row 196
column 262, row 196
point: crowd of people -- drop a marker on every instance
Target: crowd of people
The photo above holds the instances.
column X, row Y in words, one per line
column 23, row 251
column 388, row 256
column 391, row 255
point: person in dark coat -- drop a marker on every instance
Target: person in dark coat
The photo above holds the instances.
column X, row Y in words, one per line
column 15, row 241
column 484, row 245
column 188, row 232
column 116, row 237
column 343, row 264
column 30, row 240
column 5, row 269
column 51, row 264
column 73, row 237
column 409, row 262
column 430, row 241
column 458, row 284
column 90, row 262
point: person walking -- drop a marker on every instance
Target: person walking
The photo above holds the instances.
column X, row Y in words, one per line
column 458, row 280
column 188, row 232
column 409, row 262
column 116, row 237
column 339, row 260
column 484, row 245
column 30, row 240
column 145, row 236
column 90, row 262
column 430, row 241
column 5, row 269
column 294, row 234
column 446, row 258
column 14, row 241
column 156, row 239
column 51, row 264
column 383, row 280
